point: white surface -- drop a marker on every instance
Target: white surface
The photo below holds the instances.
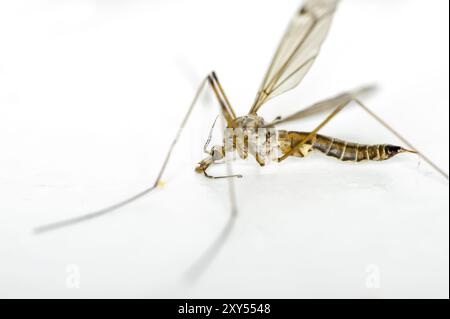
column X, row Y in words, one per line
column 91, row 93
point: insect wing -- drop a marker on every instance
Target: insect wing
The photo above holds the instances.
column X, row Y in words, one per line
column 297, row 51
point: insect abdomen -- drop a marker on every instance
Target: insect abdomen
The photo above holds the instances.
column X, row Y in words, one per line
column 342, row 150
column 346, row 151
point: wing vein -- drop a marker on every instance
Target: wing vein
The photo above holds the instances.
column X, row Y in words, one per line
column 297, row 51
column 295, row 71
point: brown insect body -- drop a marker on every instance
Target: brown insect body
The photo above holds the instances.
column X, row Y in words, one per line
column 247, row 127
column 342, row 150
column 293, row 58
column 296, row 53
column 339, row 149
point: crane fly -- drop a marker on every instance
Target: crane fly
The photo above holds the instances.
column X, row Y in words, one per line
column 296, row 53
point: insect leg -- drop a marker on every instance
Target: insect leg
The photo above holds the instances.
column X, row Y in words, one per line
column 204, row 261
column 346, row 98
column 109, row 209
column 216, row 153
column 311, row 135
column 228, row 114
column 227, row 111
column 219, row 86
column 400, row 137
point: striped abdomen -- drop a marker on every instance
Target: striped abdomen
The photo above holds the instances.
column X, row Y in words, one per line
column 342, row 150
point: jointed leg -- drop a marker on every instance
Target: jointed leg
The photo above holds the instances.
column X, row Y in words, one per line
column 225, row 106
column 229, row 116
column 200, row 265
column 76, row 220
column 352, row 98
column 311, row 135
column 157, row 183
column 222, row 92
column 227, row 112
column 180, row 130
column 400, row 137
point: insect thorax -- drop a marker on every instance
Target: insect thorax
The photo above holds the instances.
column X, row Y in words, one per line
column 249, row 122
column 251, row 134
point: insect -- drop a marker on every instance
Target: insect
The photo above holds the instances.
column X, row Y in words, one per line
column 295, row 55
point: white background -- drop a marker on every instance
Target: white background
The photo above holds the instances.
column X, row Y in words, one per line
column 91, row 93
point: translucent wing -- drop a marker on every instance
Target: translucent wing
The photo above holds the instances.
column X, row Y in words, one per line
column 324, row 106
column 297, row 51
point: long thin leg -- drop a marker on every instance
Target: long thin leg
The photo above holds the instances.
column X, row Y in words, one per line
column 228, row 114
column 205, row 259
column 227, row 111
column 79, row 219
column 180, row 130
column 314, row 132
column 346, row 101
column 216, row 79
column 400, row 137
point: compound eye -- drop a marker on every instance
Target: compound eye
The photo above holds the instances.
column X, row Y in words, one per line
column 216, row 153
